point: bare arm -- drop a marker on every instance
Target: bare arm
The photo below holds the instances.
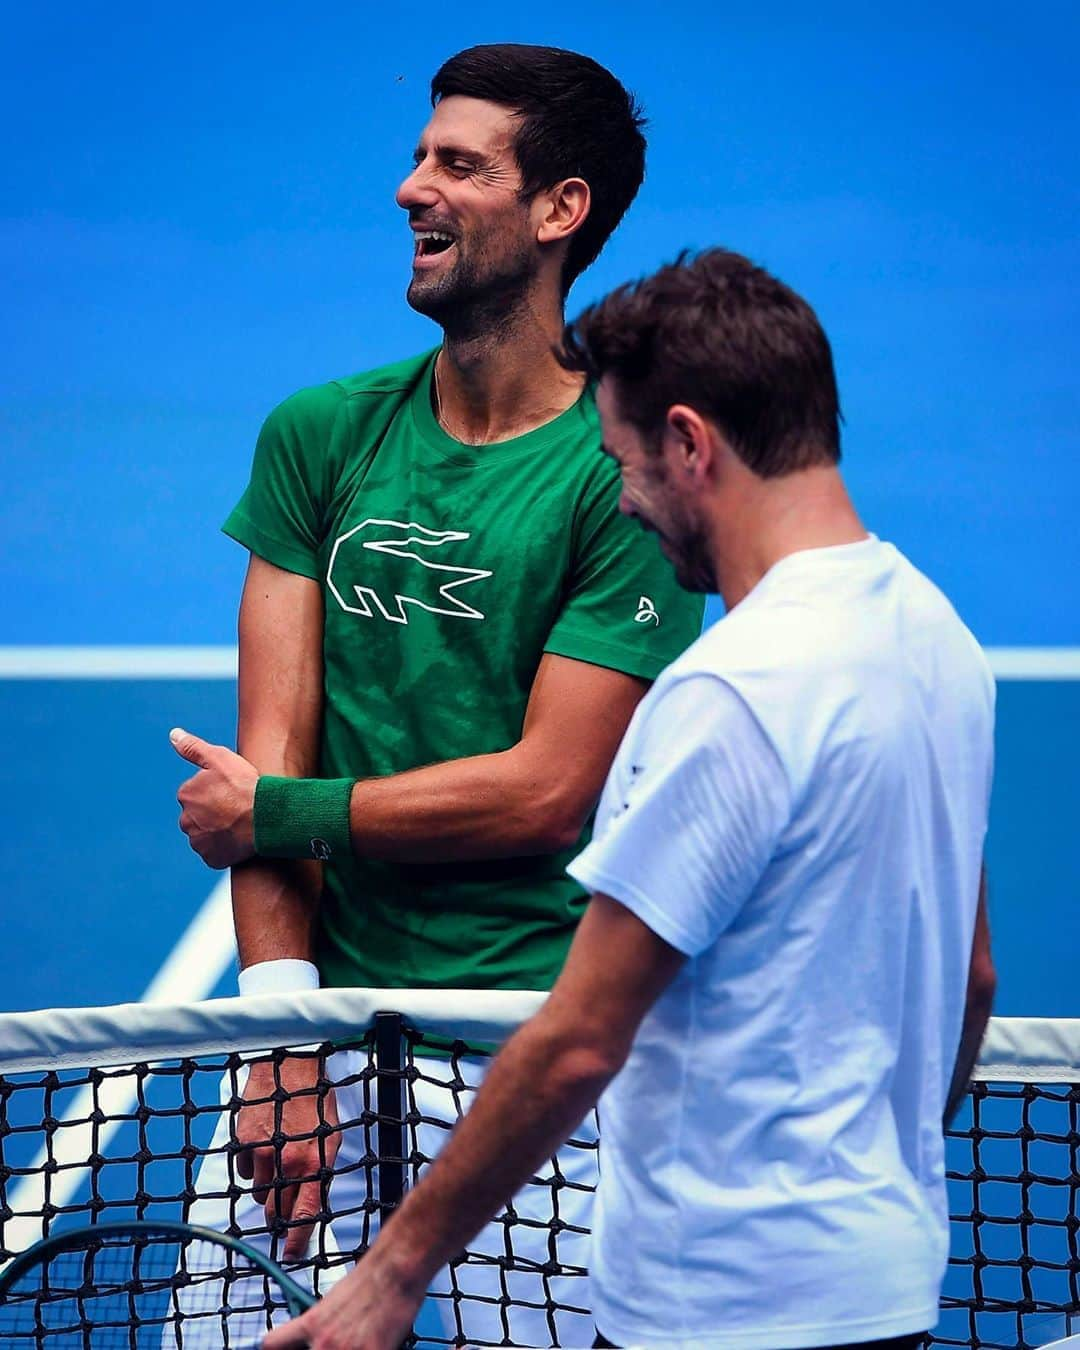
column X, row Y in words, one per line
column 529, row 799
column 982, row 981
column 275, row 903
column 532, row 798
column 539, row 1088
column 280, row 716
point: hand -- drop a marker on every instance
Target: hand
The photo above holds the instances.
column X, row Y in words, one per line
column 301, row 1116
column 372, row 1308
column 218, row 802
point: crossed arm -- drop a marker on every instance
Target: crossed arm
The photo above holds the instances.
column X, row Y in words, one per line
column 531, row 798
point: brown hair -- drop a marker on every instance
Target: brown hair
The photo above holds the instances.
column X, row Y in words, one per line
column 722, row 335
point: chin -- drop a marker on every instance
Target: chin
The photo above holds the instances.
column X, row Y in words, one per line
column 694, row 574
column 691, row 580
column 425, row 297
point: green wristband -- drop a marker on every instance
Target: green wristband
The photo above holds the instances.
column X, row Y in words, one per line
column 302, row 817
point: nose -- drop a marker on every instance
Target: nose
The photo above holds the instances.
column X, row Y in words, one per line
column 415, row 191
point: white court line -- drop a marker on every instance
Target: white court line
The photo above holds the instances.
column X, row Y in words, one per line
column 189, row 973
column 219, row 663
column 1034, row 663
column 118, row 663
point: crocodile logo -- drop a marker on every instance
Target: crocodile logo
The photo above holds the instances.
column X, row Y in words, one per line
column 403, row 571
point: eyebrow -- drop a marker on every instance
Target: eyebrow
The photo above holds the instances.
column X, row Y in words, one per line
column 449, row 151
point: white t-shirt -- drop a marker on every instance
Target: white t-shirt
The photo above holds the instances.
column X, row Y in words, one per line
column 799, row 807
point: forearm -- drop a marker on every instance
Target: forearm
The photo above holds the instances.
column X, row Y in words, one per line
column 486, row 806
column 538, row 1090
column 966, row 1059
column 275, row 901
column 979, row 999
column 275, row 909
column 532, row 798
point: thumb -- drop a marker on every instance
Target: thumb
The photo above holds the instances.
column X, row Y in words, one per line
column 191, row 748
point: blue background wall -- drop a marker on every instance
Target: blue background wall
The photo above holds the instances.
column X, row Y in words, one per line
column 196, row 218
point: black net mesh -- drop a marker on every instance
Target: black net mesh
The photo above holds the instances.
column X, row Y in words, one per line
column 117, row 1290
column 154, row 1141
column 523, row 1280
column 1014, row 1198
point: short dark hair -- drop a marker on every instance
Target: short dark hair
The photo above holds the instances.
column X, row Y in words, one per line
column 576, row 121
column 722, row 335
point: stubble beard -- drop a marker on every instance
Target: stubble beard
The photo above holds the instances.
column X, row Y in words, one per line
column 694, row 569
column 690, row 556
column 477, row 298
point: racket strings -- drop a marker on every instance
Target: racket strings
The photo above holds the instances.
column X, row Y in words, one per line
column 121, row 1292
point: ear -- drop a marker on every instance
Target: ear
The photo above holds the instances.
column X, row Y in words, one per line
column 562, row 209
column 688, row 445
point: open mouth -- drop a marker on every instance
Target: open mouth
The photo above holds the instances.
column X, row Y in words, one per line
column 430, row 243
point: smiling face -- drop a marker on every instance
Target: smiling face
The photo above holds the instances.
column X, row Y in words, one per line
column 475, row 240
column 657, row 492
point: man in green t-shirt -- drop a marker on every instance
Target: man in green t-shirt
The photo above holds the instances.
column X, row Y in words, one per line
column 446, row 623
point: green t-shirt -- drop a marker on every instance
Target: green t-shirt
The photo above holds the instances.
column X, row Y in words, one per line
column 448, row 570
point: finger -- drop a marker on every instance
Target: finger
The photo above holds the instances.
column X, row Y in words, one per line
column 277, row 1199
column 205, row 845
column 190, row 747
column 262, row 1172
column 306, row 1209
column 280, row 1200
column 292, row 1336
column 213, row 855
column 245, row 1164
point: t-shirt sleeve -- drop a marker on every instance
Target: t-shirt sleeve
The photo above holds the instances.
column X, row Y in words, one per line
column 695, row 804
column 280, row 515
column 623, row 608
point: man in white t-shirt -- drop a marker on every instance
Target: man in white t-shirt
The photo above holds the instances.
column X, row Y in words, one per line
column 786, row 961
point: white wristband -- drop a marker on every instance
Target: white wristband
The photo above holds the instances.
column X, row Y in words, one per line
column 287, row 976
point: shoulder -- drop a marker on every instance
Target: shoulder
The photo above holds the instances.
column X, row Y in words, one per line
column 771, row 665
column 319, row 405
column 691, row 702
column 939, row 637
column 400, row 377
column 598, row 472
column 763, row 638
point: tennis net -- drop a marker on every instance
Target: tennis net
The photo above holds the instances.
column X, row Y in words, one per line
column 128, row 1112
column 1013, row 1160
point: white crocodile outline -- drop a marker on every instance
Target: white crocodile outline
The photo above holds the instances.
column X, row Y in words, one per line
column 456, row 608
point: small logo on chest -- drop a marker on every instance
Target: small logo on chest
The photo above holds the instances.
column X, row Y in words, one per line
column 380, row 566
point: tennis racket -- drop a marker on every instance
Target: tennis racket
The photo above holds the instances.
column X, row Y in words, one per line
column 113, row 1286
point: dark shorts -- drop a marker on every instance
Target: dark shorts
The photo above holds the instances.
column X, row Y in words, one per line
column 894, row 1343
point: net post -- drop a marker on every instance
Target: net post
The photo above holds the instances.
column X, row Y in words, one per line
column 389, row 1104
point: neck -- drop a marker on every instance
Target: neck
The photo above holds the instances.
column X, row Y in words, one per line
column 774, row 517
column 505, row 381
